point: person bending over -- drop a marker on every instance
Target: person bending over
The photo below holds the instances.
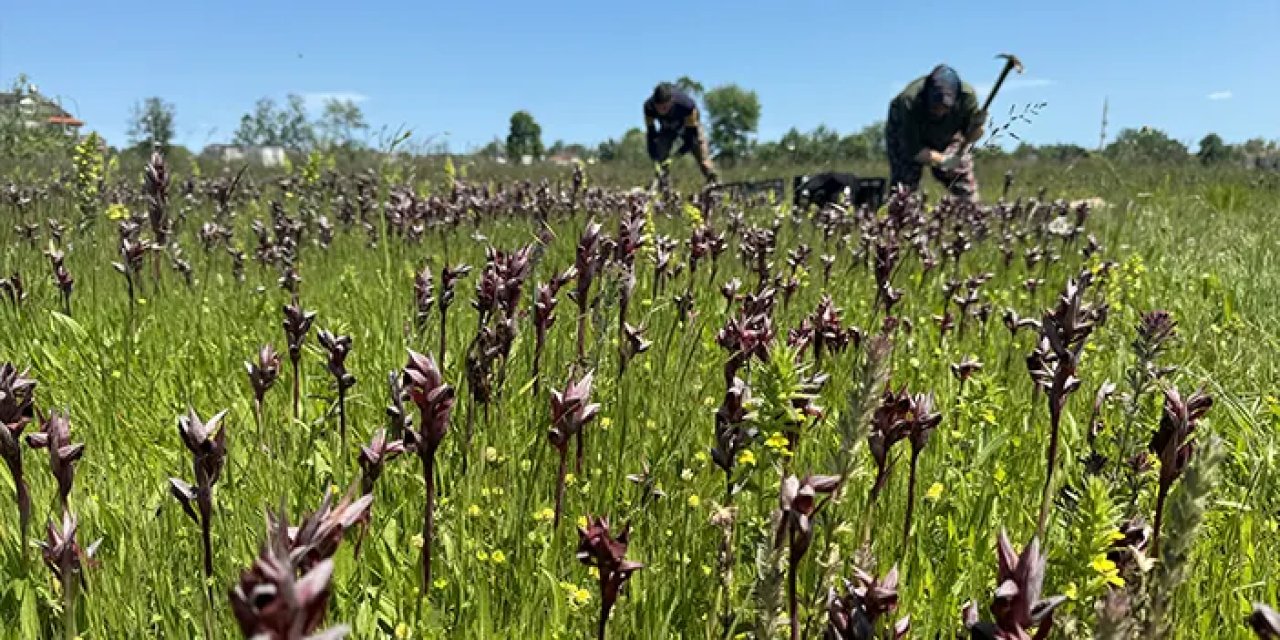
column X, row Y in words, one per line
column 671, row 115
column 932, row 123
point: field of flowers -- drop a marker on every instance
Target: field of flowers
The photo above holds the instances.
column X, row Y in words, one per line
column 430, row 406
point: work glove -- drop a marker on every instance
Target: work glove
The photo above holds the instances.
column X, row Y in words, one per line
column 951, row 162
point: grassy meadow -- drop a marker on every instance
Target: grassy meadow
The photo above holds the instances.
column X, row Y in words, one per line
column 1194, row 242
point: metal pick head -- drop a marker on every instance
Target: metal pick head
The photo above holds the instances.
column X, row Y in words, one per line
column 1012, row 61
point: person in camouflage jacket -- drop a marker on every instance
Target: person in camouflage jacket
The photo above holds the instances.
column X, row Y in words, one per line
column 932, row 123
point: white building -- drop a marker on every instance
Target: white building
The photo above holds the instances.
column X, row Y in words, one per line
column 228, row 153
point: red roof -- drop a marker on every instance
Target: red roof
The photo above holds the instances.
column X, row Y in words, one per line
column 67, row 120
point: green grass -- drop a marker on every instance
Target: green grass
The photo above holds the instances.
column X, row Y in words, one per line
column 1197, row 243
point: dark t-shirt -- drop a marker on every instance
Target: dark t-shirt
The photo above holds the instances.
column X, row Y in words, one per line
column 683, row 113
column 911, row 127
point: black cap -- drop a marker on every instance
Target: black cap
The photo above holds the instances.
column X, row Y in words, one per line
column 942, row 86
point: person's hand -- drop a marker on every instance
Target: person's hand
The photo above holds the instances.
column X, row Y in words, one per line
column 951, row 162
column 929, row 157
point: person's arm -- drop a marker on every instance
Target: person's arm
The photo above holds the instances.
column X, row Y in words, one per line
column 692, row 121
column 651, row 133
column 975, row 119
column 904, row 135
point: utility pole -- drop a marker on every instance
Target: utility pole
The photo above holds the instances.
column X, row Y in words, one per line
column 1102, row 136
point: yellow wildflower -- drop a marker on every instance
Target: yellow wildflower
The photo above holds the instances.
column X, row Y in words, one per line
column 747, row 458
column 934, row 492
column 694, row 501
column 778, row 442
column 1107, row 570
column 473, row 511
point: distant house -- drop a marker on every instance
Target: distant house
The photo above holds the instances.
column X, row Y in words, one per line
column 564, row 159
column 265, row 156
column 36, row 110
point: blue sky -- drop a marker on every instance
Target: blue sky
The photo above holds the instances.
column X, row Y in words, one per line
column 583, row 67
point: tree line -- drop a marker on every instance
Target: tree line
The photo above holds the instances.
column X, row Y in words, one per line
column 731, row 117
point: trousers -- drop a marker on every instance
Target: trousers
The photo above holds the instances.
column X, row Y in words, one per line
column 692, row 141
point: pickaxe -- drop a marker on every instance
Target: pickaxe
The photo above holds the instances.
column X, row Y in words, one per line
column 1011, row 62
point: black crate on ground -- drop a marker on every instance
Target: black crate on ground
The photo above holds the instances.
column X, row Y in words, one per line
column 751, row 188
column 833, row 187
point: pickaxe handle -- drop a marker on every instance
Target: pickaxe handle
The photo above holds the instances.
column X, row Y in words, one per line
column 1004, row 73
column 1010, row 63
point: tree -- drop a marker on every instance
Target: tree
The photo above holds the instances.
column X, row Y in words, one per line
column 1213, row 150
column 495, row 149
column 630, row 149
column 1145, row 145
column 1050, row 152
column 152, row 123
column 294, row 128
column 607, row 151
column 525, row 136
column 1261, row 153
column 867, row 144
column 690, row 86
column 270, row 125
column 824, row 145
column 734, row 113
column 342, row 124
column 1259, row 146
column 256, row 127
